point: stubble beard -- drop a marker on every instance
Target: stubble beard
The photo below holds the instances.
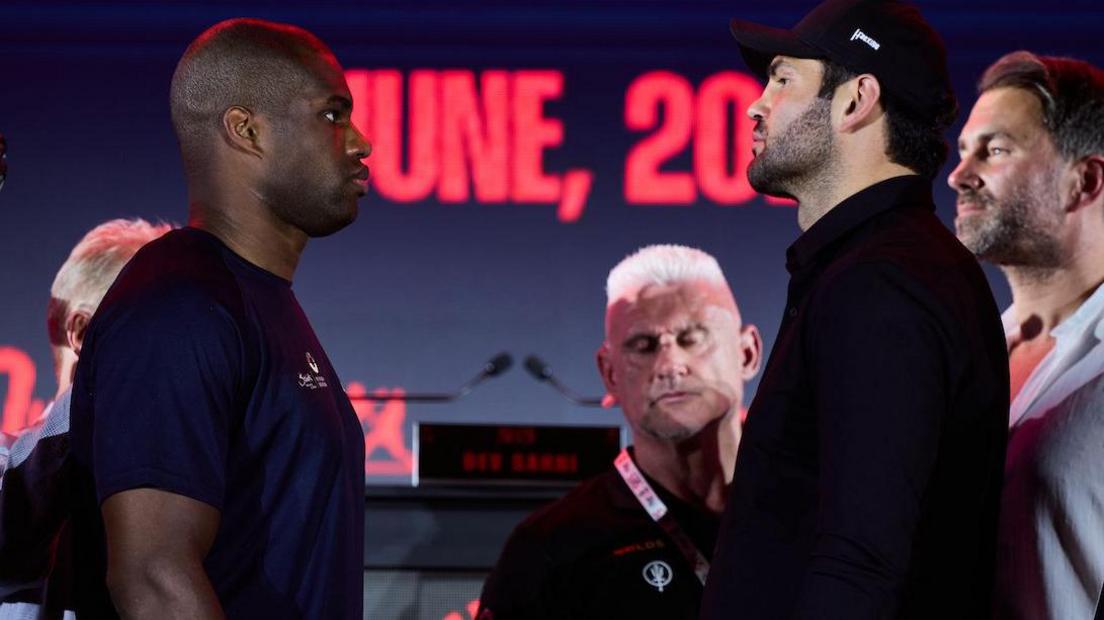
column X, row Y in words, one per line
column 1019, row 232
column 799, row 158
column 311, row 207
column 663, row 426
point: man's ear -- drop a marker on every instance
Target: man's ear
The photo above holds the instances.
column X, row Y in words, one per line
column 605, row 368
column 242, row 130
column 751, row 352
column 859, row 102
column 76, row 324
column 1088, row 182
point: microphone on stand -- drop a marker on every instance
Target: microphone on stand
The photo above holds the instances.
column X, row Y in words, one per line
column 543, row 373
column 494, row 367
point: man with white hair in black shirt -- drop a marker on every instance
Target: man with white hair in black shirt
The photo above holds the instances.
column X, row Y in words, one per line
column 636, row 540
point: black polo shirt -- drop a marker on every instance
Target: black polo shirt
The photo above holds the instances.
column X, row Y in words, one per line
column 869, row 474
column 595, row 553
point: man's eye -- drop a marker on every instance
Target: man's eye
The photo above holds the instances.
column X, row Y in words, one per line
column 642, row 345
column 997, row 150
column 691, row 338
column 781, row 80
column 330, row 115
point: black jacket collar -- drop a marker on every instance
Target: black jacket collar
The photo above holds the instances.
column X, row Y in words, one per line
column 910, row 190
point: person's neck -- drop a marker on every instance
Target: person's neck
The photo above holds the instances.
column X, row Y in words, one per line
column 848, row 177
column 696, row 470
column 1052, row 295
column 248, row 228
column 66, row 369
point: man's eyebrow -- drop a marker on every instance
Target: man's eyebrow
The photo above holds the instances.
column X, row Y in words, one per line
column 987, row 137
column 340, row 100
column 636, row 335
column 777, row 64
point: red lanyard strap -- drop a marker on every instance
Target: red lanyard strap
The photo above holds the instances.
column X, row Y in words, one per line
column 657, row 510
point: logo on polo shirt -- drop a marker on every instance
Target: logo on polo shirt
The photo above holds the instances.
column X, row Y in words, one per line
column 313, row 379
column 862, row 36
column 658, row 574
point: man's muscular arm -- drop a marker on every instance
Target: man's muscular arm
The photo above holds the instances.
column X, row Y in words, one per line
column 156, row 543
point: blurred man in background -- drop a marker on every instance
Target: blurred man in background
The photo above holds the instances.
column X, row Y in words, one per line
column 1031, row 200
column 635, row 542
column 35, row 545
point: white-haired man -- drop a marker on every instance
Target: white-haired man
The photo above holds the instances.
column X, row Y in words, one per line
column 34, row 509
column 1031, row 200
column 635, row 542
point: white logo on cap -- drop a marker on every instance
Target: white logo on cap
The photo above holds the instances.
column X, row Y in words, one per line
column 862, row 36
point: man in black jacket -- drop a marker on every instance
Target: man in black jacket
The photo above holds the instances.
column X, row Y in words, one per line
column 869, row 475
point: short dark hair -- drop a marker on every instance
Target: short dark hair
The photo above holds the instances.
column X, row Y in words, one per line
column 257, row 64
column 1071, row 93
column 916, row 143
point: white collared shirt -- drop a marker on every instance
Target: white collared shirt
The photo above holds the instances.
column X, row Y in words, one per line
column 1051, row 556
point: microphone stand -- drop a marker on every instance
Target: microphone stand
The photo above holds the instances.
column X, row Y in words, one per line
column 543, row 372
column 494, row 367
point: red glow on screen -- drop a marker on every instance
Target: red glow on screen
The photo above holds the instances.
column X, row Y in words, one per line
column 722, row 147
column 533, row 134
column 471, row 608
column 474, row 131
column 467, row 138
column 492, row 462
column 482, row 462
column 20, row 408
column 378, row 112
column 543, row 463
column 385, row 451
column 645, row 183
column 712, row 123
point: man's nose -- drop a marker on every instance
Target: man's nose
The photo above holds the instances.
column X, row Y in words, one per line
column 964, row 176
column 357, row 145
column 671, row 362
column 758, row 109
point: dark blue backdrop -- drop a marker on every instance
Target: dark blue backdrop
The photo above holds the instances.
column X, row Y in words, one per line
column 419, row 295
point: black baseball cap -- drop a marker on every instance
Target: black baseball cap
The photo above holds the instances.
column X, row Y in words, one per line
column 886, row 38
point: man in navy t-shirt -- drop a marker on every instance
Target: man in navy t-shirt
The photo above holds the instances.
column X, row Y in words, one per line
column 222, row 464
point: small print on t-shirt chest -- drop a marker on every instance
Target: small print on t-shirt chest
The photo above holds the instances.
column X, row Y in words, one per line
column 310, row 375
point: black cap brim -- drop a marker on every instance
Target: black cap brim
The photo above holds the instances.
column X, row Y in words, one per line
column 760, row 44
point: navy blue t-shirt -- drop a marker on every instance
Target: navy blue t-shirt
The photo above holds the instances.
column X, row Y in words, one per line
column 201, row 376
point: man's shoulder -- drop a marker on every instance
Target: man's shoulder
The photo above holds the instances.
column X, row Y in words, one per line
column 182, row 271
column 557, row 542
column 595, row 514
column 179, row 256
column 585, row 509
column 914, row 240
column 911, row 254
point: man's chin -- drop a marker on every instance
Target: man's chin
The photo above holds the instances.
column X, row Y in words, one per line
column 334, row 224
column 764, row 182
column 970, row 232
column 674, row 424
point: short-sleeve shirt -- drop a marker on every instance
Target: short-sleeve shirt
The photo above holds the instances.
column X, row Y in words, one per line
column 201, row 376
column 595, row 553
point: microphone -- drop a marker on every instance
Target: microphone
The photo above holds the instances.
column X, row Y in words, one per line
column 494, row 367
column 543, row 373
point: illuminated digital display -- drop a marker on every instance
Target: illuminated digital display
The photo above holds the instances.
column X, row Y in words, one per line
column 489, row 454
column 481, row 137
